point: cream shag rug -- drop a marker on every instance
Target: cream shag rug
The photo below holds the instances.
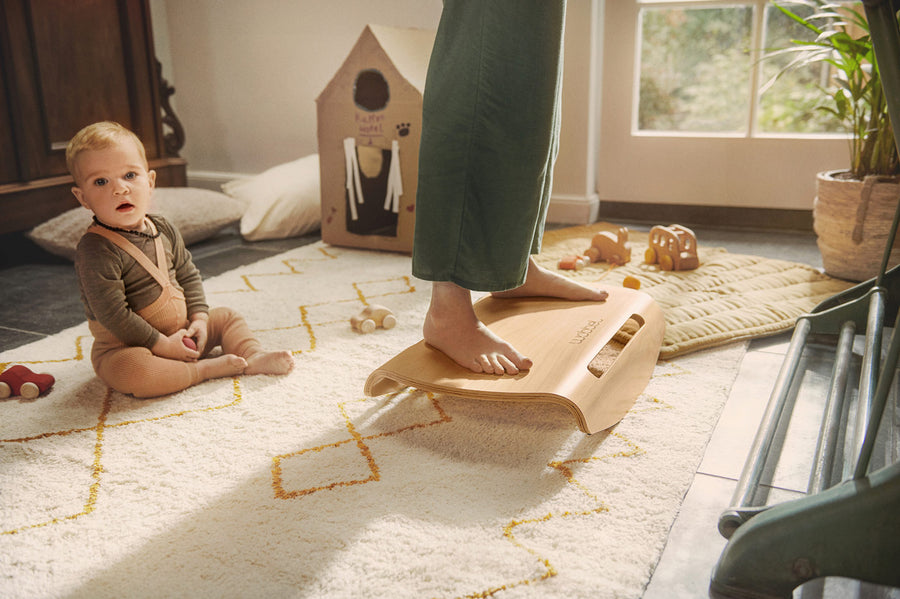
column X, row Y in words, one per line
column 299, row 486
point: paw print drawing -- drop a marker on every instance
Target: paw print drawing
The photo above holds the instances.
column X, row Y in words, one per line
column 403, row 129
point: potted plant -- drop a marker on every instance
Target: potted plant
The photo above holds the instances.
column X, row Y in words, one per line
column 854, row 207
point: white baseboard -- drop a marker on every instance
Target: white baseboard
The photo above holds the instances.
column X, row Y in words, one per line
column 211, row 179
column 573, row 210
column 564, row 209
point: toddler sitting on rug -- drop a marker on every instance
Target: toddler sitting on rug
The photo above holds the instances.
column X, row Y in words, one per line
column 142, row 294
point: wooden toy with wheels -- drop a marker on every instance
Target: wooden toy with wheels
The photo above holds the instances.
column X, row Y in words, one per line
column 610, row 246
column 573, row 262
column 373, row 317
column 673, row 248
column 18, row 380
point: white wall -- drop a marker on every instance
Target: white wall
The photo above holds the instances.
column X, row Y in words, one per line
column 247, row 72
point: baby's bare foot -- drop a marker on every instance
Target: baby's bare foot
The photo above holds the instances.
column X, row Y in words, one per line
column 541, row 282
column 224, row 365
column 270, row 362
column 452, row 327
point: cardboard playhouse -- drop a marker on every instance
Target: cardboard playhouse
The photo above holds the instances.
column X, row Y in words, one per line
column 369, row 124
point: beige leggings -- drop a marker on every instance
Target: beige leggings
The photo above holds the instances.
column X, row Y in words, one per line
column 135, row 370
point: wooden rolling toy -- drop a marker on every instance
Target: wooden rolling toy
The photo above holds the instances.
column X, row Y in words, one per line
column 673, row 247
column 19, row 380
column 372, row 317
column 573, row 262
column 610, row 246
column 563, row 338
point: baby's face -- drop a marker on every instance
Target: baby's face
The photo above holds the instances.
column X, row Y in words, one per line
column 115, row 185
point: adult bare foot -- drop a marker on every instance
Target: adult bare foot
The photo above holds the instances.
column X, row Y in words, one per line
column 452, row 327
column 270, row 362
column 540, row 282
column 224, row 365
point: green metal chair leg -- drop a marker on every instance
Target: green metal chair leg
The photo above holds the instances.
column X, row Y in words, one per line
column 851, row 530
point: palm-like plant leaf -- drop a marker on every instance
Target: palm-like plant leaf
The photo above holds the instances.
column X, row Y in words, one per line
column 857, row 98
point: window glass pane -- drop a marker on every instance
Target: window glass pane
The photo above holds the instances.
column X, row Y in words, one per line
column 789, row 104
column 695, row 67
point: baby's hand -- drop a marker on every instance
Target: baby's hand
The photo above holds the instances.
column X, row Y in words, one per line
column 173, row 347
column 199, row 331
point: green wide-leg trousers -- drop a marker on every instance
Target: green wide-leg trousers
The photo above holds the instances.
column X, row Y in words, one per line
column 491, row 117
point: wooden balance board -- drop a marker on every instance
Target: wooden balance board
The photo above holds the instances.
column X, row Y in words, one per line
column 563, row 338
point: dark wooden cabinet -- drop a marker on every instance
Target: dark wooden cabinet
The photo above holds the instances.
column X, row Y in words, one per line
column 63, row 65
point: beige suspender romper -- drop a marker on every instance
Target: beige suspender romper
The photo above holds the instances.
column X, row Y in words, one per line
column 136, row 370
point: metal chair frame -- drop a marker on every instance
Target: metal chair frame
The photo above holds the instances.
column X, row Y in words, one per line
column 851, row 528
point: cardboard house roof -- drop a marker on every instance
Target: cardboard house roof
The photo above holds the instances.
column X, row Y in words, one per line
column 407, row 49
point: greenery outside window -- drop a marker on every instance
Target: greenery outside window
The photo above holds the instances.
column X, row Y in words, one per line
column 700, row 72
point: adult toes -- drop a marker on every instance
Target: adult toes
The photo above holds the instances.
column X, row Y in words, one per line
column 507, row 365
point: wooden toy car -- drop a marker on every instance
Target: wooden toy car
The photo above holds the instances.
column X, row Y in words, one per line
column 610, row 246
column 372, row 317
column 20, row 380
column 673, row 247
column 573, row 262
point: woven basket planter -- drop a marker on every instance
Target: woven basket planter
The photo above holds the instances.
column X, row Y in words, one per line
column 852, row 220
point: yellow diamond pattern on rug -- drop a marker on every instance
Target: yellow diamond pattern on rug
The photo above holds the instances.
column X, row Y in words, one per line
column 300, row 486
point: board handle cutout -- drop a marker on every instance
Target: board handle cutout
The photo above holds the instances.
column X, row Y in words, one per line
column 607, row 356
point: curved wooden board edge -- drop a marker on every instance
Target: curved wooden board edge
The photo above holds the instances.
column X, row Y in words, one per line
column 562, row 353
column 381, row 382
column 627, row 377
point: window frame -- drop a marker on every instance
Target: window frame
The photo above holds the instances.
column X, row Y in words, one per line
column 755, row 81
column 747, row 169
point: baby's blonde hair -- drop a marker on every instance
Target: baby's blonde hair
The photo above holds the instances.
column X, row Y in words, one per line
column 100, row 136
